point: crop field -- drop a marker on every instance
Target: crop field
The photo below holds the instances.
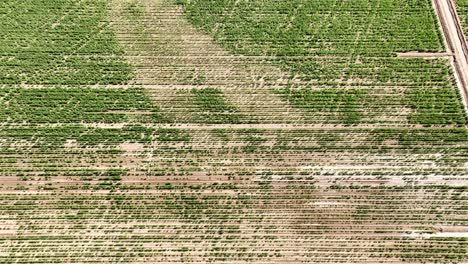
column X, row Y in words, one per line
column 222, row 131
column 462, row 7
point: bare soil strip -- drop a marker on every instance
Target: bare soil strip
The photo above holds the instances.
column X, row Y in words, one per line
column 456, row 42
column 427, row 55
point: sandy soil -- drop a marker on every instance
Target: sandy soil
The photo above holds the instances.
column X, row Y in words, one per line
column 429, row 55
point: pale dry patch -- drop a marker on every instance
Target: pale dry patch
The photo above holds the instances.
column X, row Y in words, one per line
column 167, row 51
column 8, row 227
column 422, row 234
column 132, row 147
column 71, row 144
column 426, row 55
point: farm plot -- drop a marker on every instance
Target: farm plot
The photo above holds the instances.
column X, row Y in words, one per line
column 76, row 105
column 160, row 131
column 59, row 42
column 232, row 195
column 333, row 45
column 462, row 7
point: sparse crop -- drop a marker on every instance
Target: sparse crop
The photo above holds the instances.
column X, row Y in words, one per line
column 224, row 131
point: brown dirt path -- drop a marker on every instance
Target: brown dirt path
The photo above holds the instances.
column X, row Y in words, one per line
column 428, row 55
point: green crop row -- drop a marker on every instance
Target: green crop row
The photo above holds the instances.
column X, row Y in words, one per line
column 59, row 42
column 335, row 102
column 56, row 137
column 343, row 44
column 462, row 8
column 76, row 105
column 212, row 107
column 301, row 27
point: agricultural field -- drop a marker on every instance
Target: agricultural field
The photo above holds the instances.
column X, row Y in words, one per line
column 462, row 7
column 222, row 131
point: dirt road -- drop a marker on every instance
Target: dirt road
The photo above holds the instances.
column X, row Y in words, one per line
column 446, row 11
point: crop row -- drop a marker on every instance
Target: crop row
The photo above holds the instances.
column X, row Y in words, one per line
column 229, row 153
column 264, row 226
column 321, row 27
column 45, row 43
column 462, row 8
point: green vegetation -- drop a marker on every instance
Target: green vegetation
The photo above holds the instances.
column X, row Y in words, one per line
column 437, row 106
column 172, row 135
column 74, row 105
column 413, row 137
column 334, row 102
column 56, row 137
column 462, row 8
column 59, row 42
column 212, row 100
column 133, row 9
column 114, row 136
column 325, row 147
column 212, row 107
column 301, row 27
column 222, row 133
column 335, row 45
